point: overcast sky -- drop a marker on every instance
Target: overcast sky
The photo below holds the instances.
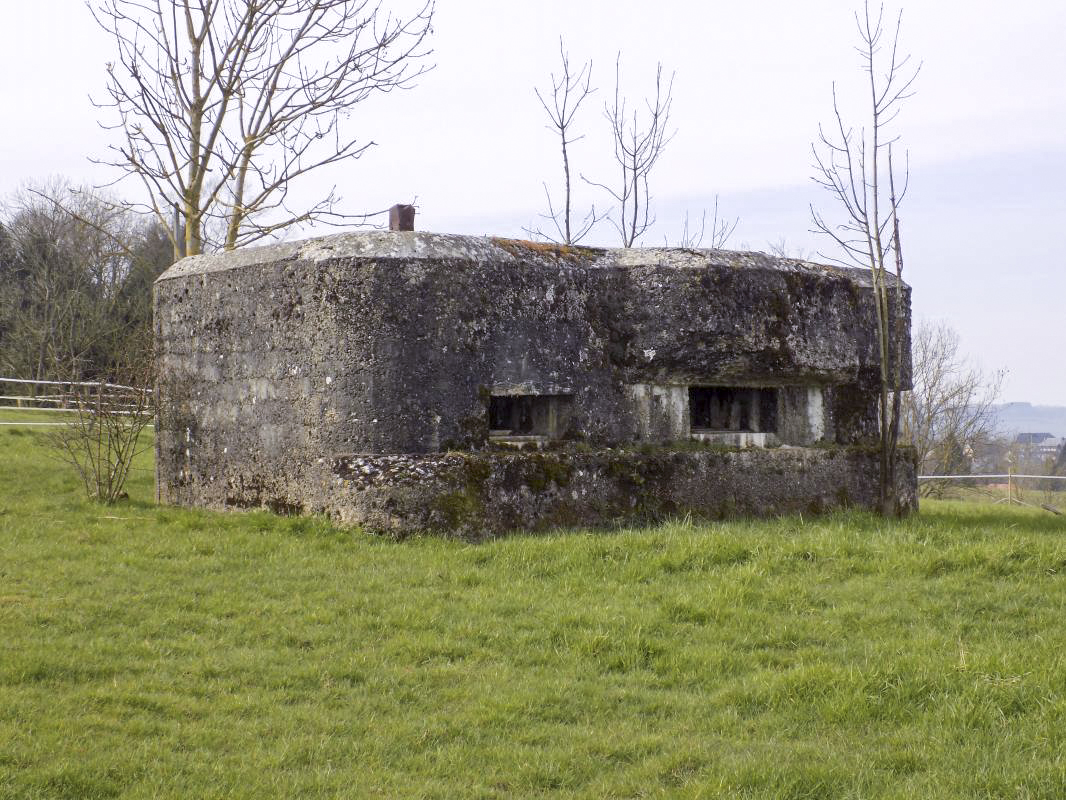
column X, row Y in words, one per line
column 986, row 134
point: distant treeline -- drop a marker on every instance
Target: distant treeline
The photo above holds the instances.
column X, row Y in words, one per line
column 76, row 273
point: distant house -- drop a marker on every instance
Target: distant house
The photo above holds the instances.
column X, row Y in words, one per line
column 1032, row 438
column 1052, row 448
column 1040, row 446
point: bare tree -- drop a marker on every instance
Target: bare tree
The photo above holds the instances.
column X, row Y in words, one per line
column 568, row 92
column 950, row 411
column 223, row 104
column 851, row 166
column 638, row 144
column 75, row 282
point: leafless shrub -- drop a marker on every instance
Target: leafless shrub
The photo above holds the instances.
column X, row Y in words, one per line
column 720, row 232
column 104, row 435
column 782, row 249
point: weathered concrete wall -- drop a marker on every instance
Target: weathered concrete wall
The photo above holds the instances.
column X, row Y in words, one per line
column 748, row 318
column 478, row 494
column 275, row 360
column 482, row 494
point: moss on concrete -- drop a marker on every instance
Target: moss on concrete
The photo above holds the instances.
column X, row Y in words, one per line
column 522, row 248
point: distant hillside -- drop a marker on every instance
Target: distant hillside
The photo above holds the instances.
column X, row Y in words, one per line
column 1012, row 418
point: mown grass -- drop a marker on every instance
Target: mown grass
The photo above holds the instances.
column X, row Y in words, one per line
column 1023, row 490
column 32, row 415
column 153, row 652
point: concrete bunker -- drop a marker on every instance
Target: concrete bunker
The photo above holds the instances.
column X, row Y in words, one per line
column 408, row 381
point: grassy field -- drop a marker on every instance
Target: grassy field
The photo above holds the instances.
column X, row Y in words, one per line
column 150, row 652
column 1024, row 490
column 30, row 415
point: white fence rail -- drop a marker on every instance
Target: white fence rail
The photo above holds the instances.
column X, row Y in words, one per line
column 1007, row 475
column 67, row 396
column 1010, row 483
column 94, row 384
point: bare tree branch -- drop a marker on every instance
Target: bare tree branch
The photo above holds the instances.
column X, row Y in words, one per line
column 781, row 249
column 637, row 147
column 721, row 230
column 568, row 92
column 222, row 105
